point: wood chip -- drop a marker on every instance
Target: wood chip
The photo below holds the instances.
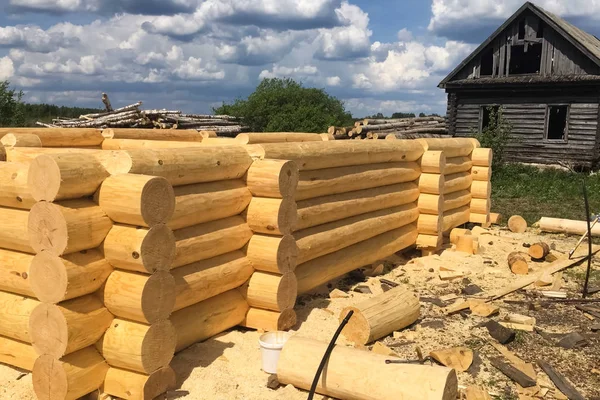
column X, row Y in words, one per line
column 380, row 348
column 450, row 275
column 519, row 327
column 338, row 294
column 449, row 297
column 519, row 319
column 554, row 294
column 459, row 358
column 476, row 393
column 483, row 309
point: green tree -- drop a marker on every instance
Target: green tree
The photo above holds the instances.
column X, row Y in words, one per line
column 496, row 135
column 284, row 105
column 11, row 107
column 402, row 115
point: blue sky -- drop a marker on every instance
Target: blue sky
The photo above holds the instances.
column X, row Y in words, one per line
column 376, row 55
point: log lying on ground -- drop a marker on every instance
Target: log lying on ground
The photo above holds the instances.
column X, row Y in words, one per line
column 15, row 274
column 431, row 183
column 183, row 135
column 139, row 297
column 273, row 178
column 455, row 165
column 381, row 315
column 539, row 251
column 328, row 238
column 14, row 191
column 204, row 241
column 348, row 179
column 21, row 140
column 15, row 311
column 276, row 254
column 456, row 182
column 456, row 233
column 140, row 249
column 138, row 347
column 457, row 147
column 277, row 137
column 132, row 144
column 481, row 189
column 569, row 226
column 14, row 234
column 72, row 325
column 61, row 137
column 131, row 385
column 17, row 354
column 67, row 227
column 267, row 320
column 312, row 274
column 518, row 263
column 199, row 281
column 456, row 217
column 345, row 378
column 464, row 244
column 205, row 319
column 433, row 162
column 271, row 291
column 517, row 224
column 195, row 165
column 321, row 210
column 272, row 216
column 55, row 279
column 315, row 155
column 137, row 199
column 205, row 202
column 482, row 157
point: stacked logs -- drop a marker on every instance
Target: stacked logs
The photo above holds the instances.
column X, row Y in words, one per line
column 431, row 200
column 401, row 128
column 481, row 189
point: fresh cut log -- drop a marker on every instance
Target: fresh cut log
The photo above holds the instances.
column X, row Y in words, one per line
column 431, row 183
column 481, row 206
column 14, row 234
column 272, row 216
column 15, row 275
column 72, row 325
column 465, row 243
column 455, row 165
column 277, row 137
column 481, row 189
column 14, row 191
column 138, row 347
column 67, row 227
column 267, row 320
column 429, row 224
column 381, row 315
column 17, row 354
column 271, row 291
column 456, row 147
column 276, row 254
column 456, row 182
column 483, row 219
column 458, row 232
column 182, row 135
column 15, row 311
column 345, row 377
column 482, row 157
column 431, row 203
column 209, row 317
column 517, row 224
column 132, row 144
column 61, row 137
column 273, row 178
column 481, row 173
column 129, row 385
column 433, row 162
column 539, row 251
column 55, row 279
column 569, row 226
column 455, row 218
column 518, row 263
column 21, row 140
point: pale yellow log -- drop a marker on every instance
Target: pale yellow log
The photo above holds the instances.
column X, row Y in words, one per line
column 272, row 216
column 67, row 227
column 517, row 224
column 17, row 354
column 481, row 190
column 14, row 191
column 14, row 234
column 15, row 311
column 61, row 137
column 431, row 203
column 72, row 325
column 456, row 182
column 345, row 376
column 204, row 241
column 381, row 315
column 465, row 244
column 139, row 297
column 276, row 254
column 208, row 134
column 321, row 210
column 205, row 202
column 456, row 147
column 482, row 157
column 268, row 320
column 55, row 279
column 129, row 385
column 137, row 199
column 271, row 291
column 456, row 217
column 429, row 224
column 569, row 226
column 131, row 144
column 433, row 162
column 195, row 165
column 458, row 232
column 209, row 317
column 483, row 219
column 21, row 140
column 327, row 136
column 277, row 137
column 455, row 200
column 199, row 281
column 429, row 241
column 323, row 269
column 220, row 141
column 431, row 183
column 340, row 153
column 496, row 218
column 15, row 275
column 183, row 135
column 330, row 181
column 455, row 165
column 481, row 173
column 481, row 206
column 273, row 178
column 138, row 347
column 140, row 249
column 2, row 153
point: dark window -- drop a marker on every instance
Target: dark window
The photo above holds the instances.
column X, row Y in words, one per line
column 486, row 112
column 540, row 31
column 522, row 29
column 557, row 123
column 487, row 62
column 525, row 62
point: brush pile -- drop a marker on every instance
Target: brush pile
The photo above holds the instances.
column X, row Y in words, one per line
column 405, row 128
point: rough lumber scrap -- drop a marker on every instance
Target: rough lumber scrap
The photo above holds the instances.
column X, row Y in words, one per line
column 272, row 216
column 14, row 191
column 204, row 202
column 55, row 279
column 517, row 224
column 273, row 178
column 345, row 378
column 17, row 354
column 459, row 358
column 330, row 181
column 140, row 249
column 61, row 137
column 131, row 385
column 14, row 233
column 15, row 311
column 180, row 135
column 267, row 320
column 67, row 227
column 21, row 140
column 15, row 274
column 568, row 226
column 276, row 254
column 381, row 315
column 271, row 291
column 71, row 377
column 139, row 200
column 139, row 297
column 277, row 137
column 331, row 154
column 209, row 317
column 476, row 393
column 72, row 325
column 138, row 347
column 560, row 381
column 313, row 274
column 205, row 279
column 327, row 238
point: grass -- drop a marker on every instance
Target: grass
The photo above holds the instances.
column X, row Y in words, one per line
column 534, row 193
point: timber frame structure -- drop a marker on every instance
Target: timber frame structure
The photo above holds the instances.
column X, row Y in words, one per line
column 545, row 74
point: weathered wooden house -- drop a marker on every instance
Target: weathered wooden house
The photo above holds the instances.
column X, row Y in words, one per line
column 545, row 73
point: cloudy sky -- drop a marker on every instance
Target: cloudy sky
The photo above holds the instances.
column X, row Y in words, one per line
column 377, row 55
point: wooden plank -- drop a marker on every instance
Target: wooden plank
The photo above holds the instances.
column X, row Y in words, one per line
column 560, row 381
column 513, row 373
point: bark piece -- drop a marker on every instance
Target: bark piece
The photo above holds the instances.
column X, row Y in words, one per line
column 501, row 334
column 513, row 373
column 560, row 381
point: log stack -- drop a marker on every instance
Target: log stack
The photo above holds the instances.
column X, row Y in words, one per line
column 431, row 200
column 481, row 190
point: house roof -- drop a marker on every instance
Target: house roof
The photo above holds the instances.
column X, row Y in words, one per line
column 587, row 43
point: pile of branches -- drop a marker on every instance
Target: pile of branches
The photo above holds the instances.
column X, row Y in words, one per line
column 404, row 128
column 132, row 116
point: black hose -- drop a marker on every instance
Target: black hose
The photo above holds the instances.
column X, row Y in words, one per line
column 589, row 236
column 327, row 354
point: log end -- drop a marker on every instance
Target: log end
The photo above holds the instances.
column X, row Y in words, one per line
column 358, row 329
column 49, row 331
column 539, row 251
column 47, row 228
column 49, row 378
column 286, row 320
column 287, row 291
column 287, row 254
column 451, row 387
column 158, row 346
column 48, row 277
column 44, row 178
column 21, row 140
column 158, row 297
column 157, row 201
column 159, row 382
column 242, row 138
column 288, row 179
column 517, row 224
column 482, row 157
column 117, row 162
column 158, row 249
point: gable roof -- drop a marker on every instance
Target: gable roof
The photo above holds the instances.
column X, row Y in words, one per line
column 587, row 43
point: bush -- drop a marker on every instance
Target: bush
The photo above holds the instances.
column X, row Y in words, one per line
column 496, row 135
column 11, row 107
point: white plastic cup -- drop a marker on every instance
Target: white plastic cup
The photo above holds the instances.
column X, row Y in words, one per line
column 271, row 344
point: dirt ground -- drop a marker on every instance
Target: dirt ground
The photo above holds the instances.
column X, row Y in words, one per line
column 228, row 366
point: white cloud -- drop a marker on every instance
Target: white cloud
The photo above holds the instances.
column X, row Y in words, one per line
column 193, row 69
column 287, row 72
column 7, row 68
column 349, row 41
column 56, row 6
column 32, row 38
column 404, row 35
column 334, row 81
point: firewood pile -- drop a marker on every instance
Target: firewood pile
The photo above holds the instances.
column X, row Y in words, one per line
column 132, row 116
column 404, row 128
